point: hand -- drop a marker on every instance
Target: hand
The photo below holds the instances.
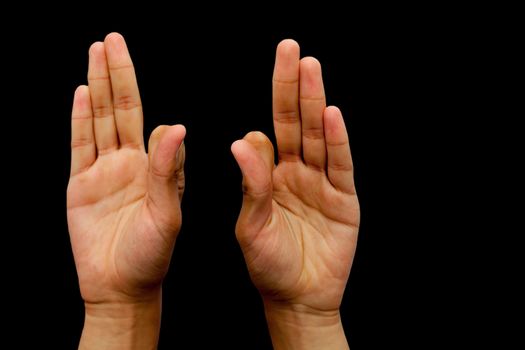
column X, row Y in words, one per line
column 299, row 220
column 123, row 205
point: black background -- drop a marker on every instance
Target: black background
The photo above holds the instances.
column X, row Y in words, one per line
column 214, row 76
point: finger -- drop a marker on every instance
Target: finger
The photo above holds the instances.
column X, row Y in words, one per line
column 180, row 158
column 179, row 172
column 83, row 152
column 164, row 151
column 286, row 117
column 257, row 188
column 154, row 140
column 165, row 169
column 263, row 146
column 340, row 167
column 126, row 98
column 101, row 99
column 313, row 103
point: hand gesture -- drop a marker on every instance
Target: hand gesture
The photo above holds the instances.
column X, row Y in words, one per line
column 299, row 220
column 123, row 204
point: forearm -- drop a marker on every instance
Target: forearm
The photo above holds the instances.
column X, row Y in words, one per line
column 122, row 325
column 297, row 328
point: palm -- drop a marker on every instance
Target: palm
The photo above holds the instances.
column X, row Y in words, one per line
column 108, row 221
column 302, row 246
column 122, row 237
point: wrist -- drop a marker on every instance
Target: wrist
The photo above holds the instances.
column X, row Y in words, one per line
column 130, row 324
column 297, row 326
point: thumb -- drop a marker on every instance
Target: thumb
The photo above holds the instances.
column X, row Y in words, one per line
column 254, row 154
column 166, row 169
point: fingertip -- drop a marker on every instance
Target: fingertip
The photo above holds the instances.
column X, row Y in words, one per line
column 263, row 145
column 243, row 152
column 334, row 124
column 165, row 144
column 81, row 97
column 333, row 112
column 256, row 177
column 80, row 89
column 310, row 63
column 288, row 46
column 255, row 137
column 332, row 115
column 113, row 37
column 311, row 78
column 236, row 147
column 288, row 53
column 115, row 46
column 96, row 47
column 180, row 126
column 180, row 130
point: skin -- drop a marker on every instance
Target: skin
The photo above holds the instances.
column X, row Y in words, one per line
column 297, row 227
column 123, row 204
column 299, row 220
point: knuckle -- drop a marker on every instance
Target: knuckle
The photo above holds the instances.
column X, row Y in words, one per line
column 81, row 142
column 126, row 102
column 102, row 111
column 313, row 133
column 286, row 117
